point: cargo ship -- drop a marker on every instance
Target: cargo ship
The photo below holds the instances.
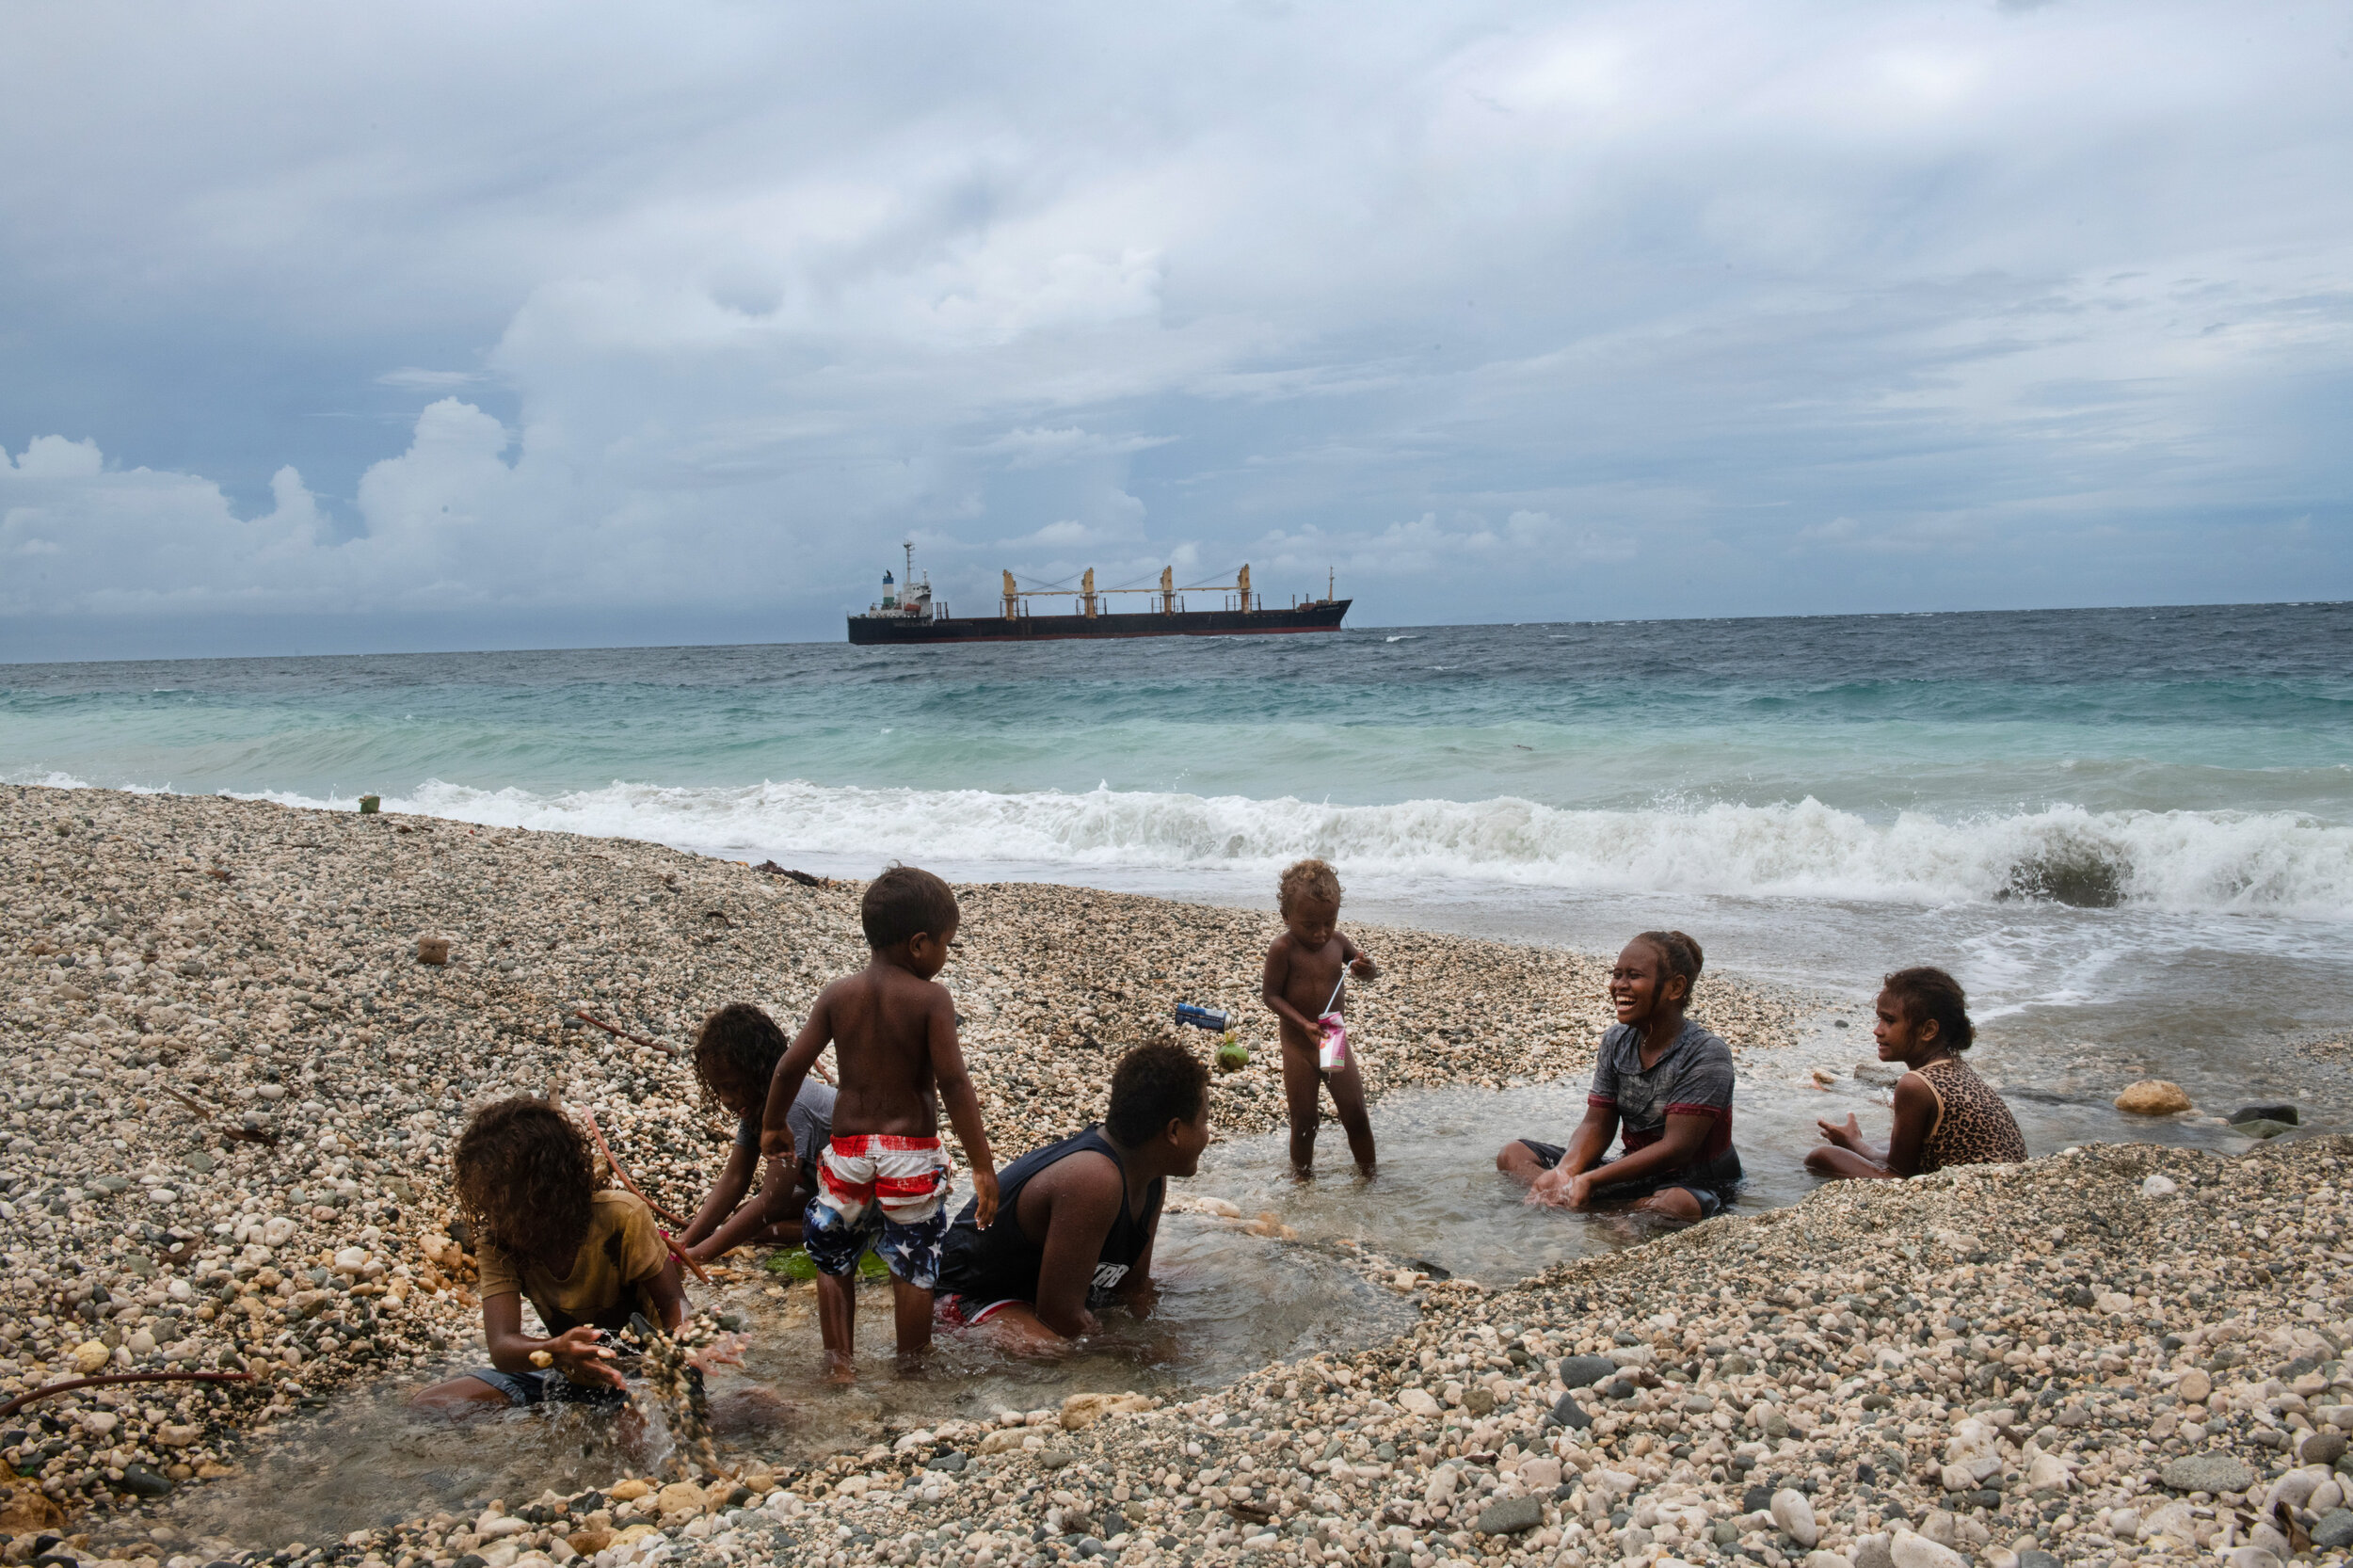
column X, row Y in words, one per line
column 907, row 613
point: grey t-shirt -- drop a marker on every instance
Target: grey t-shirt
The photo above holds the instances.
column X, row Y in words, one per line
column 1694, row 1078
column 810, row 1119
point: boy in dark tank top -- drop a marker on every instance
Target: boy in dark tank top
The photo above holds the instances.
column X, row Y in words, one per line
column 1080, row 1216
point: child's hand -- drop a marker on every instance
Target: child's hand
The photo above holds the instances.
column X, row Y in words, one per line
column 984, row 1198
column 1559, row 1190
column 776, row 1142
column 1848, row 1137
column 582, row 1360
column 1362, row 967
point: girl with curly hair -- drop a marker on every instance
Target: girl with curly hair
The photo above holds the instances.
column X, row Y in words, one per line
column 1945, row 1114
column 587, row 1257
column 736, row 1052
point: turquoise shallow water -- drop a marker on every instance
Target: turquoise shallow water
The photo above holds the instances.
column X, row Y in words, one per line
column 2130, row 831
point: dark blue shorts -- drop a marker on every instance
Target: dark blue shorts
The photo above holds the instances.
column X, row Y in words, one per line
column 551, row 1386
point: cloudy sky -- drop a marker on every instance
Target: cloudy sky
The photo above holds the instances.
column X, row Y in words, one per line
column 466, row 325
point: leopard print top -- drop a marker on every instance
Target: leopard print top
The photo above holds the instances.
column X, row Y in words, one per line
column 1973, row 1126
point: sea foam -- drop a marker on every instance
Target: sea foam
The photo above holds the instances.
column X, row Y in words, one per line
column 2273, row 862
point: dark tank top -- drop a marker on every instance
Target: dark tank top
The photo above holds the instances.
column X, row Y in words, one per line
column 1001, row 1263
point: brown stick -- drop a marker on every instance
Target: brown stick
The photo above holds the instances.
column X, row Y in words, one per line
column 195, row 1105
column 71, row 1383
column 639, row 1039
column 589, row 1118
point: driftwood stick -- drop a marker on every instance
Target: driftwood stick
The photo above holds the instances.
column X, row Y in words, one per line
column 71, row 1383
column 195, row 1105
column 638, row 1039
column 588, row 1118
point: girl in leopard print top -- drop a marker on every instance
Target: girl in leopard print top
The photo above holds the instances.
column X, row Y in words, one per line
column 1945, row 1114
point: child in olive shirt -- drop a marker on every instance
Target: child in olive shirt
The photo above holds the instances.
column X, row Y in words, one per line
column 586, row 1258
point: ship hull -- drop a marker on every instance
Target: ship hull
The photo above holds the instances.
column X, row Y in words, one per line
column 874, row 631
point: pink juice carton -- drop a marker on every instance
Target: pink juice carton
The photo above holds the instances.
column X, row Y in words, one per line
column 1332, row 1055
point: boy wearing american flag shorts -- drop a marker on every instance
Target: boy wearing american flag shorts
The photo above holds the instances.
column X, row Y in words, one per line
column 885, row 1180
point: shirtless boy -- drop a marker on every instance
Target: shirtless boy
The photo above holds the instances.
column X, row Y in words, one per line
column 1302, row 975
column 883, row 1182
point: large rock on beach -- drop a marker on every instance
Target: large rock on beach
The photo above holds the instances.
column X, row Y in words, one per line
column 1511, row 1516
column 2286, row 1114
column 1912, row 1550
column 1581, row 1371
column 2153, row 1097
column 1794, row 1513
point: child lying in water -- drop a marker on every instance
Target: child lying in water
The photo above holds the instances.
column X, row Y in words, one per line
column 587, row 1257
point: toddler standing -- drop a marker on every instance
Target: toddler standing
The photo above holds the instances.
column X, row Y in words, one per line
column 1303, row 982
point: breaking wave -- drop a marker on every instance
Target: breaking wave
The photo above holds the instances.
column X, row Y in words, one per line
column 2275, row 862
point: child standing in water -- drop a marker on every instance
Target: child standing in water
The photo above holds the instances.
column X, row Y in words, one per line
column 884, row 1182
column 1945, row 1114
column 1304, row 973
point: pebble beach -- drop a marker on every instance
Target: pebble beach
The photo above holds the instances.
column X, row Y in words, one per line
column 235, row 1084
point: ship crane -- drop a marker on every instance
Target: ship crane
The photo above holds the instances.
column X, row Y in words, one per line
column 1090, row 598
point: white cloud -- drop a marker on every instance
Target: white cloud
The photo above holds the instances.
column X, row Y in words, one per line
column 1413, row 293
column 113, row 541
column 1045, row 448
column 54, row 458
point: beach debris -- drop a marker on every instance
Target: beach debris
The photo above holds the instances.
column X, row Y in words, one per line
column 789, row 875
column 1232, row 1055
column 614, row 1030
column 371, row 805
column 2153, row 1096
column 11, row 1406
column 433, row 951
column 589, row 1119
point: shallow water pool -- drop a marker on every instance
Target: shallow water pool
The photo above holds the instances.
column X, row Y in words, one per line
column 1438, row 1199
column 1229, row 1302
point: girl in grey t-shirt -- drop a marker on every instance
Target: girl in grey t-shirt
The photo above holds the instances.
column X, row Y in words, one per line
column 1661, row 1080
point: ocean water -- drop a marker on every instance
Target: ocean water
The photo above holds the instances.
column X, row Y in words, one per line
column 2130, row 832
